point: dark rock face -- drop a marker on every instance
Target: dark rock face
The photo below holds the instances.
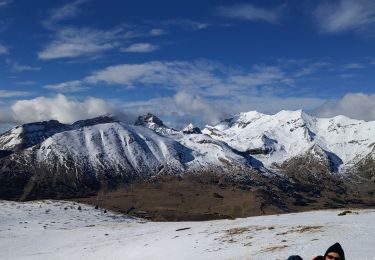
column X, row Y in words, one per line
column 15, row 173
column 148, row 118
column 366, row 168
column 94, row 121
column 306, row 169
column 315, row 169
column 4, row 153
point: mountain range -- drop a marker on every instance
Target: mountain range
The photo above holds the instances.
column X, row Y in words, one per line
column 290, row 149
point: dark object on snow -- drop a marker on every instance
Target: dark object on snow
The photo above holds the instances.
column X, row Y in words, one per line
column 335, row 248
column 181, row 229
column 344, row 213
column 96, row 206
column 294, row 257
column 79, row 208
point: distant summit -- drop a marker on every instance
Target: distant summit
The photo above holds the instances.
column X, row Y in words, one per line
column 191, row 129
column 153, row 122
column 149, row 119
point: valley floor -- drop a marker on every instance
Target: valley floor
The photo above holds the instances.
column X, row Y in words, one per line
column 68, row 230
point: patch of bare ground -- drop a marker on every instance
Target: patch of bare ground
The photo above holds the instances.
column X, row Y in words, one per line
column 211, row 196
column 274, row 248
column 184, row 200
column 301, row 229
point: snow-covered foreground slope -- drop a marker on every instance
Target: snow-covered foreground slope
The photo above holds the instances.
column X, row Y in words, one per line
column 58, row 230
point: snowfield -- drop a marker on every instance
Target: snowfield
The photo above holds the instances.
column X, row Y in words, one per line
column 60, row 230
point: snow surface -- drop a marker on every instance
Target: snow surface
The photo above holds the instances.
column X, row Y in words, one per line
column 58, row 230
column 11, row 139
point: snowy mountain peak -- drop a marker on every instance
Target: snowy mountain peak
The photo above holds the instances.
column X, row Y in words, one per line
column 153, row 122
column 30, row 134
column 191, row 129
column 149, row 119
column 293, row 133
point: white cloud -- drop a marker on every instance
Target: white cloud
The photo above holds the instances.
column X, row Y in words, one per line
column 354, row 105
column 186, row 24
column 16, row 67
column 263, row 76
column 140, row 48
column 354, row 66
column 205, row 78
column 4, row 3
column 73, row 42
column 251, row 13
column 10, row 93
column 69, row 86
column 346, row 15
column 3, row 49
column 67, row 11
column 311, row 68
column 173, row 75
column 212, row 91
column 185, row 105
column 158, row 32
column 61, row 108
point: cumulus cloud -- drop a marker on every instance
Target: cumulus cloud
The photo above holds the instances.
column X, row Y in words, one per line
column 187, row 105
column 251, row 13
column 346, row 15
column 353, row 105
column 190, row 105
column 140, row 48
column 61, row 108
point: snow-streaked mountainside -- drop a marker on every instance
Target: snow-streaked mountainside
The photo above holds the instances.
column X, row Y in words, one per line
column 59, row 230
column 81, row 156
column 107, row 143
column 277, row 138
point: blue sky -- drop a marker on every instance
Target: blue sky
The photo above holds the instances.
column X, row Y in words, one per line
column 185, row 61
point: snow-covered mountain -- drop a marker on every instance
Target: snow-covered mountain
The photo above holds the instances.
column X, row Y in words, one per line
column 274, row 139
column 75, row 159
column 78, row 157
